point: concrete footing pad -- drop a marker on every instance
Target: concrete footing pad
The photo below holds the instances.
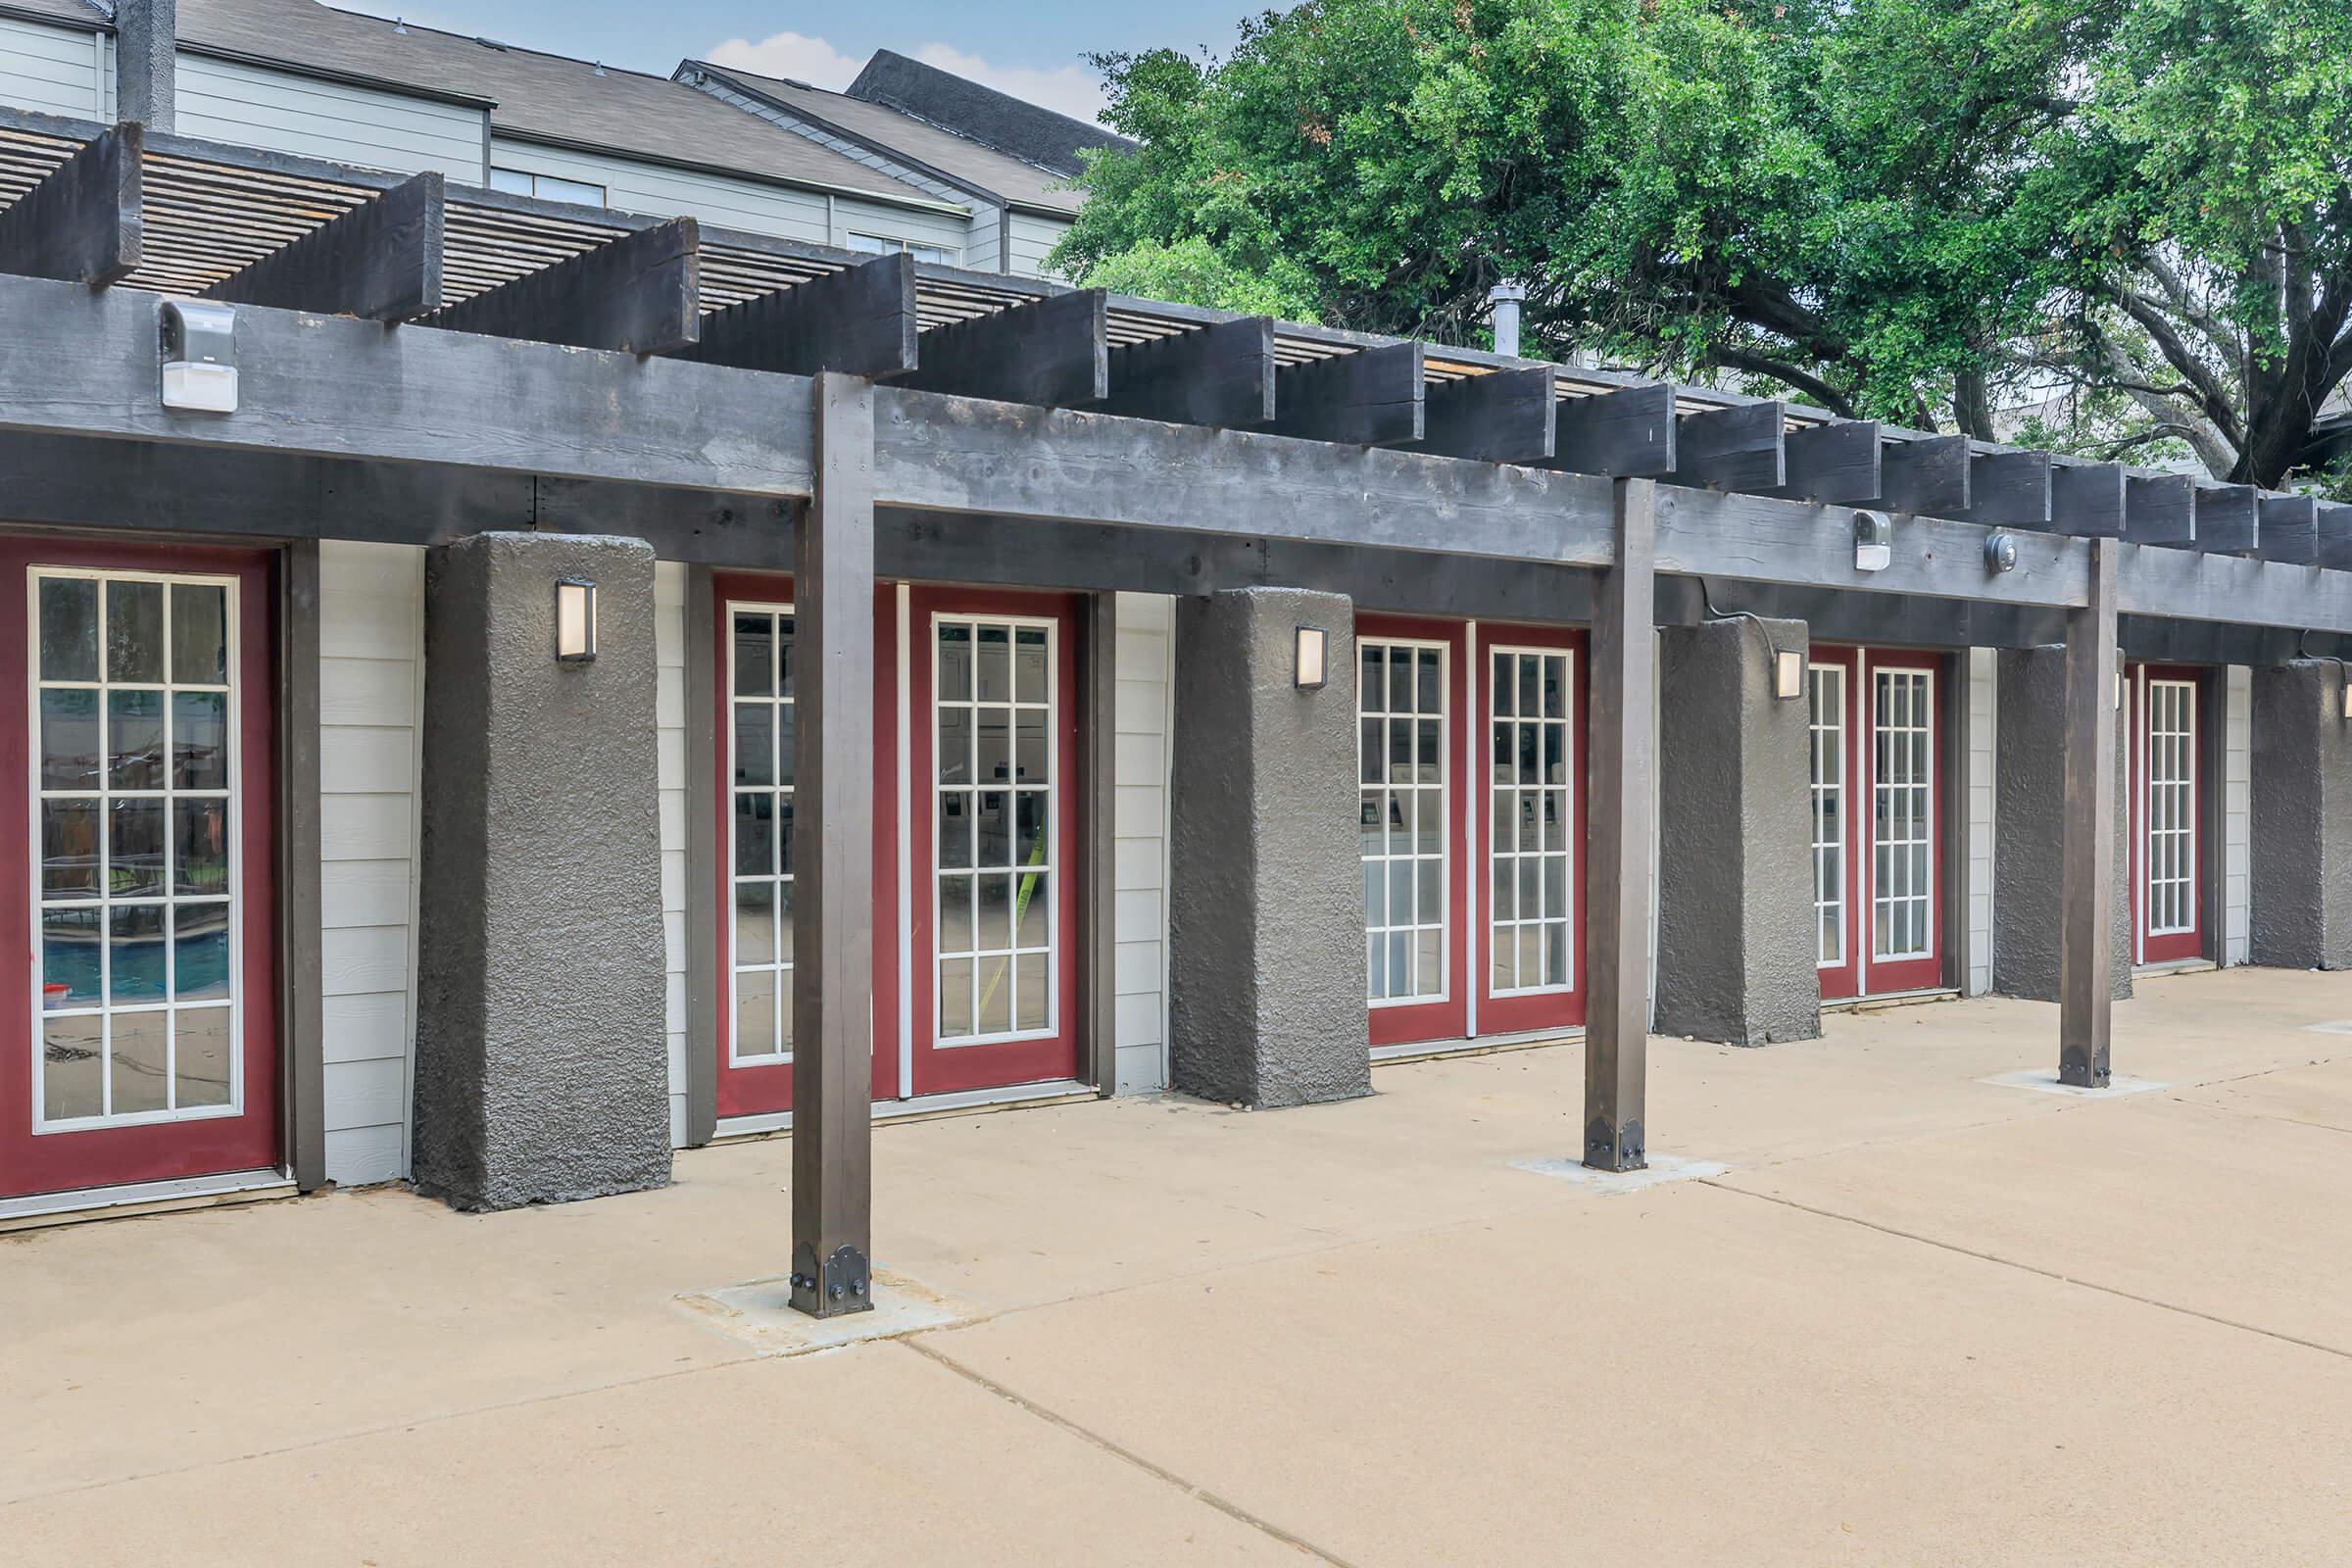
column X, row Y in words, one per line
column 1663, row 1168
column 761, row 1314
column 2046, row 1083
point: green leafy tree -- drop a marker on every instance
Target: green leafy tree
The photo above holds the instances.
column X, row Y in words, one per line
column 2125, row 226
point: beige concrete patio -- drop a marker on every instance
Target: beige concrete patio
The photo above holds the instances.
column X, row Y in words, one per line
column 1922, row 1318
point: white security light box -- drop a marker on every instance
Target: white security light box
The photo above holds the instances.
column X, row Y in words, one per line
column 200, row 357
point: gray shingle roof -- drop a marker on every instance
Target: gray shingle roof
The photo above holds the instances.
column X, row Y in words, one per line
column 534, row 96
column 883, row 126
column 81, row 12
column 993, row 118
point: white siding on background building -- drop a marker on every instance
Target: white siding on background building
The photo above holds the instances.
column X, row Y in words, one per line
column 370, row 685
column 2237, row 808
column 1143, row 662
column 754, row 206
column 226, row 100
column 54, row 71
column 1033, row 240
column 1983, row 697
column 669, row 720
column 983, row 250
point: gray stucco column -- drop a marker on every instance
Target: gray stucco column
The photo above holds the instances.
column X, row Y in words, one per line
column 1735, row 938
column 146, row 60
column 1265, row 899
column 542, row 1068
column 2029, row 803
column 2299, row 877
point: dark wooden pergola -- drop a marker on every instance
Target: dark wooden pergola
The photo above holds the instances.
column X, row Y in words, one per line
column 419, row 363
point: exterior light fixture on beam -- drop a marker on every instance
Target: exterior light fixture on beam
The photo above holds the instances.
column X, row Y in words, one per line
column 1874, row 541
column 575, row 621
column 200, row 357
column 1311, row 665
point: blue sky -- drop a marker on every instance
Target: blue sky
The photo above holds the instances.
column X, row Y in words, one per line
column 1029, row 47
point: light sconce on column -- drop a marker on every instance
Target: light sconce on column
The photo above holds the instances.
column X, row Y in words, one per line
column 575, row 621
column 1788, row 674
column 1311, row 663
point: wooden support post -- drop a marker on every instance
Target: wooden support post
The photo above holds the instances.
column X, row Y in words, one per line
column 1743, row 447
column 2287, row 528
column 1372, row 397
column 833, row 851
column 1835, row 464
column 380, row 260
column 1617, row 888
column 860, row 321
column 1221, row 375
column 640, row 293
column 84, row 223
column 2086, row 880
column 2229, row 519
column 2160, row 509
column 1502, row 417
column 1052, row 352
column 2334, row 524
column 1629, row 432
column 2009, row 489
column 2087, row 500
column 1098, row 819
column 1926, row 478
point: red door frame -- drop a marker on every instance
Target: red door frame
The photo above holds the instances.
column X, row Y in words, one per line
column 2176, row 947
column 1556, row 1010
column 1862, row 975
column 112, row 1156
column 942, row 1069
column 766, row 1087
column 1843, row 981
column 1448, row 1018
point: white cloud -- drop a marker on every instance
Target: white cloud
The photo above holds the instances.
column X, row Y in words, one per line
column 790, row 55
column 1071, row 90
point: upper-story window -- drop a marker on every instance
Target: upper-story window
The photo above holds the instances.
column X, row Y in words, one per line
column 884, row 244
column 548, row 187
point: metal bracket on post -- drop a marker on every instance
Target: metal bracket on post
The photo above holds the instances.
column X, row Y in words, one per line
column 842, row 1285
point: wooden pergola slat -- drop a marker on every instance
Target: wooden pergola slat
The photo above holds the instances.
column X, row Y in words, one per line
column 84, row 222
column 380, row 260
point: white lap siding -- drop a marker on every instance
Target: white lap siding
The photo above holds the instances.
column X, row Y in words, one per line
column 56, row 70
column 669, row 716
column 371, row 682
column 1140, row 810
column 226, row 100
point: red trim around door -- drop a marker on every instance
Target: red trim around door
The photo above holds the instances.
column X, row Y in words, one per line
column 1446, row 1018
column 2178, row 946
column 1863, row 973
column 760, row 1088
column 108, row 1156
column 1513, row 1014
column 938, row 1068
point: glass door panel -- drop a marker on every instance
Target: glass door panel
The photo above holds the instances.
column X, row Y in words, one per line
column 1529, row 827
column 2166, row 758
column 1410, row 745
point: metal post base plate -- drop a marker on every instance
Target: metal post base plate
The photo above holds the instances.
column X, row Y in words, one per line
column 1614, row 1149
column 843, row 1285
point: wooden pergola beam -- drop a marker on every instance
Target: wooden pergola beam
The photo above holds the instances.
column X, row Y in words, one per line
column 1742, row 446
column 1926, row 475
column 1050, row 353
column 2087, row 499
column 1221, row 375
column 1629, row 432
column 639, row 293
column 2229, row 517
column 2288, row 530
column 860, row 321
column 84, row 223
column 1371, row 397
column 1500, row 416
column 2009, row 489
column 382, row 260
column 2334, row 523
column 1619, row 770
column 1840, row 463
column 2160, row 509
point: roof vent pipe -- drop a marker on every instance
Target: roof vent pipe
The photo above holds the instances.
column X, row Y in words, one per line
column 1505, row 297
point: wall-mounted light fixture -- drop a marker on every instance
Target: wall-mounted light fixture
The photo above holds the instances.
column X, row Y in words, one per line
column 200, row 357
column 2000, row 552
column 1311, row 663
column 2347, row 685
column 1874, row 541
column 1788, row 674
column 575, row 621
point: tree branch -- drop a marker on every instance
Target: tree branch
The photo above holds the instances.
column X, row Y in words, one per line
column 1813, row 386
column 2212, row 397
